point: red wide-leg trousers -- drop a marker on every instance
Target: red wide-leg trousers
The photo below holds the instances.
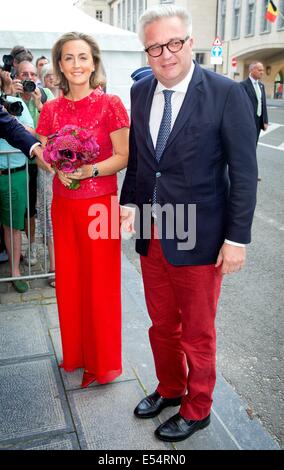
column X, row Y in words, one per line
column 88, row 287
column 182, row 303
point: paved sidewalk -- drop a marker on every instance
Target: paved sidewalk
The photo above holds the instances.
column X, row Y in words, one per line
column 42, row 407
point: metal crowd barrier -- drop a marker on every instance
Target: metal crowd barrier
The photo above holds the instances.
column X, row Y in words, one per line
column 30, row 275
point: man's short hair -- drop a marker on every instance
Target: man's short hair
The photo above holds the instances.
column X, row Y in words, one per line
column 40, row 58
column 160, row 12
column 20, row 54
column 253, row 65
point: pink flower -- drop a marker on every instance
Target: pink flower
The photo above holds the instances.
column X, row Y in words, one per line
column 68, row 155
column 67, row 167
column 70, row 148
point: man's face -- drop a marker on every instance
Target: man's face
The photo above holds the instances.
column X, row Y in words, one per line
column 27, row 71
column 257, row 72
column 40, row 64
column 169, row 68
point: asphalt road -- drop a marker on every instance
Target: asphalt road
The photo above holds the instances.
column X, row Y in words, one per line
column 250, row 321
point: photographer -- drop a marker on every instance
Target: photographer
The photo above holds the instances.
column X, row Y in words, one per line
column 33, row 97
column 11, row 61
column 16, row 162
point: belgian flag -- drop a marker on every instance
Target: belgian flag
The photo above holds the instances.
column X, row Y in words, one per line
column 271, row 12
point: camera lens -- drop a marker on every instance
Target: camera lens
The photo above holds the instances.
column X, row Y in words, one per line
column 29, row 86
column 16, row 109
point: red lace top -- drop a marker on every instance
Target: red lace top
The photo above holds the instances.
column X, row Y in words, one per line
column 98, row 112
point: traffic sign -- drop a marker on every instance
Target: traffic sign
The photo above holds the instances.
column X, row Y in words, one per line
column 216, row 55
column 217, row 51
column 217, row 42
column 234, row 62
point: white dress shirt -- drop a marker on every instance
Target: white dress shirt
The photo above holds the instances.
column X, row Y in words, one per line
column 158, row 103
column 258, row 93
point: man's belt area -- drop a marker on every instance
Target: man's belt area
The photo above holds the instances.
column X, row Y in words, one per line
column 12, row 170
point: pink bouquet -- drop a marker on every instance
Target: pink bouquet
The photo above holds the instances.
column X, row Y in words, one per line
column 69, row 149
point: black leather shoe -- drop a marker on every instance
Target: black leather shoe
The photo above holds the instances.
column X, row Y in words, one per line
column 178, row 428
column 153, row 404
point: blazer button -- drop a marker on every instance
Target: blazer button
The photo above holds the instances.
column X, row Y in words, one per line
column 158, row 174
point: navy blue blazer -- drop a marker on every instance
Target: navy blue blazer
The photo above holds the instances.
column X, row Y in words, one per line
column 209, row 162
column 15, row 134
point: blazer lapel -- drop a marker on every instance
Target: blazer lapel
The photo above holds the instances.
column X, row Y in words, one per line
column 148, row 105
column 252, row 90
column 189, row 104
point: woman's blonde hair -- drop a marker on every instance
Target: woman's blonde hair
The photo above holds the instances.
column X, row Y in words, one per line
column 97, row 77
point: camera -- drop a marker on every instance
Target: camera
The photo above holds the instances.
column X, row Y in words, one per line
column 8, row 64
column 15, row 108
column 29, row 86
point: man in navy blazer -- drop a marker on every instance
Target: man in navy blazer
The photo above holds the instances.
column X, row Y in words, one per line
column 192, row 177
column 256, row 93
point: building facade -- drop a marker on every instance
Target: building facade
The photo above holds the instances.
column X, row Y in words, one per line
column 125, row 14
column 241, row 25
column 247, row 37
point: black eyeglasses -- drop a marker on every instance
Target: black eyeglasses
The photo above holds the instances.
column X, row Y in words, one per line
column 174, row 45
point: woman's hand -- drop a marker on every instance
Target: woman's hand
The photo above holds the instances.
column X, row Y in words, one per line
column 85, row 171
column 65, row 178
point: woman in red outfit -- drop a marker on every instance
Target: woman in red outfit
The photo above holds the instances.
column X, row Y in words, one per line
column 87, row 269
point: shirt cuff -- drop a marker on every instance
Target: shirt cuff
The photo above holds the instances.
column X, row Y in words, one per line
column 33, row 146
column 229, row 242
column 129, row 208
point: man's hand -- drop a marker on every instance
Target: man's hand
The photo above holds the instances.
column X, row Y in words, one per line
column 266, row 126
column 7, row 83
column 37, row 152
column 36, row 95
column 127, row 217
column 17, row 87
column 232, row 258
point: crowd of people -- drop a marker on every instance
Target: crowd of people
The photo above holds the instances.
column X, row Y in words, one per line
column 29, row 86
column 191, row 146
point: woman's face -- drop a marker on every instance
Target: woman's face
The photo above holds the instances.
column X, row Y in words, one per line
column 77, row 62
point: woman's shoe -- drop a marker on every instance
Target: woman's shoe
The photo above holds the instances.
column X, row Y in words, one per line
column 88, row 379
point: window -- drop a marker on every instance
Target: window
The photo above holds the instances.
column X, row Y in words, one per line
column 99, row 15
column 250, row 18
column 140, row 7
column 236, row 19
column 280, row 22
column 265, row 26
column 119, row 15
column 222, row 19
column 123, row 14
column 134, row 15
column 128, row 25
column 200, row 57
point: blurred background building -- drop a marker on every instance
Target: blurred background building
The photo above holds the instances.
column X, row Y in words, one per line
column 245, row 33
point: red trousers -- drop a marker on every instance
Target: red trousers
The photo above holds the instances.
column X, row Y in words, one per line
column 88, row 288
column 182, row 303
